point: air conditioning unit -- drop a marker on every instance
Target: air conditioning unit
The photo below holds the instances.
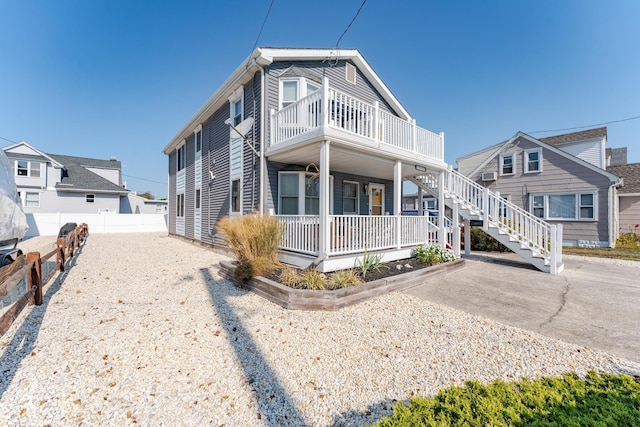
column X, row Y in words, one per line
column 489, row 176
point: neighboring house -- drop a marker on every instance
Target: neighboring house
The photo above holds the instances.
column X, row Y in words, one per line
column 326, row 149
column 561, row 179
column 134, row 204
column 628, row 196
column 52, row 183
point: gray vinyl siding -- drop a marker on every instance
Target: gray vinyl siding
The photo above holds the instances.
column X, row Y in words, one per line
column 251, row 162
column 467, row 164
column 172, row 192
column 629, row 214
column 189, row 186
column 559, row 175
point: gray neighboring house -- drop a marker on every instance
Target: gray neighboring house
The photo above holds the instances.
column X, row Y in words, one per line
column 562, row 179
column 52, row 183
column 628, row 194
column 134, row 204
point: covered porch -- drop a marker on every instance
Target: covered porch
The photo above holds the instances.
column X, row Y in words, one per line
column 341, row 134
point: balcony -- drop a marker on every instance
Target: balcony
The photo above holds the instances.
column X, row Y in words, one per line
column 329, row 114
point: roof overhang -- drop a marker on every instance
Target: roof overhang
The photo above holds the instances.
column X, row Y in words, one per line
column 90, row 191
column 263, row 57
column 54, row 163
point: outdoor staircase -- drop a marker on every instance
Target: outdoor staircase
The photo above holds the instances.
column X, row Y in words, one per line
column 536, row 241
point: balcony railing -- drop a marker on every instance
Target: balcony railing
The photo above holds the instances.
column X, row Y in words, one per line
column 356, row 233
column 331, row 108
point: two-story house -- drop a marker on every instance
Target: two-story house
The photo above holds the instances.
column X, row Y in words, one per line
column 314, row 137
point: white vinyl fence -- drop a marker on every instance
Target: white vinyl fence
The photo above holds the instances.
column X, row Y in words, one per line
column 48, row 224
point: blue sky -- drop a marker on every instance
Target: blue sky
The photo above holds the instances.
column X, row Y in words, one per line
column 120, row 78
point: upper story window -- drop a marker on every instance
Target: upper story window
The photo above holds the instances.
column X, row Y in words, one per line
column 236, row 112
column 198, row 138
column 27, row 168
column 533, row 160
column 294, row 89
column 507, row 164
column 182, row 157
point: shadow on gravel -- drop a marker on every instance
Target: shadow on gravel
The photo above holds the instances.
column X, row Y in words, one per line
column 23, row 341
column 275, row 405
column 369, row 416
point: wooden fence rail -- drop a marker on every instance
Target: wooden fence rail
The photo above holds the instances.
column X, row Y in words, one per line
column 29, row 266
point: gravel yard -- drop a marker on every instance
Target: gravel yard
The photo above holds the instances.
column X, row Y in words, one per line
column 142, row 330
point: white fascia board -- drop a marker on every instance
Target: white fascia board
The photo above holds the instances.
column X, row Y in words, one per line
column 26, row 144
column 498, row 149
column 628, row 194
column 91, row 191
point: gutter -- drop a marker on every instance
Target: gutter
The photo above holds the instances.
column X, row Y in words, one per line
column 613, row 213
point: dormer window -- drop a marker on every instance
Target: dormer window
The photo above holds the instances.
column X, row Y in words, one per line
column 294, row 89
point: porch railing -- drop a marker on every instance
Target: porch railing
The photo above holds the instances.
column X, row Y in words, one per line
column 357, row 117
column 357, row 233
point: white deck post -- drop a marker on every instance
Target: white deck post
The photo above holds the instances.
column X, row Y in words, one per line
column 325, row 101
column 323, row 244
column 485, row 209
column 376, row 120
column 272, row 131
column 467, row 237
column 442, row 235
column 397, row 200
column 455, row 228
column 553, row 260
column 414, row 137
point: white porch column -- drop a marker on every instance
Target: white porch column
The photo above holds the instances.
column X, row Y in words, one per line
column 467, row 237
column 397, row 200
column 455, row 228
column 325, row 101
column 323, row 244
column 442, row 235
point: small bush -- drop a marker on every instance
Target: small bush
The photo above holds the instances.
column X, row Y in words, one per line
column 344, row 279
column 433, row 255
column 369, row 262
column 628, row 240
column 597, row 400
column 259, row 266
column 313, row 279
column 252, row 236
column 290, row 277
column 481, row 241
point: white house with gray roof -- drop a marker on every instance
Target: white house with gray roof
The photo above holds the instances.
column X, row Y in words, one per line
column 54, row 183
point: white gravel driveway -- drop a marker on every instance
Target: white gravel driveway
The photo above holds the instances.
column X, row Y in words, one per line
column 142, row 330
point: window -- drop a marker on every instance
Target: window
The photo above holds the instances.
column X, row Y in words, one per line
column 32, row 199
column 429, row 206
column 23, row 168
column 159, row 209
column 587, row 206
column 197, row 198
column 502, row 207
column 198, row 140
column 576, row 206
column 180, row 206
column 292, row 90
column 235, row 196
column 236, row 112
column 291, row 185
column 507, row 164
column 182, row 157
column 90, row 198
column 533, row 160
column 350, row 198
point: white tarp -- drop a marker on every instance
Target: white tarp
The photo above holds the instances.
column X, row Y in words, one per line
column 13, row 222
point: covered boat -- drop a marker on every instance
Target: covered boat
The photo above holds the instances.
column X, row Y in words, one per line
column 13, row 222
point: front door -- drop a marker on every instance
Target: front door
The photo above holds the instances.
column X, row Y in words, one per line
column 376, row 199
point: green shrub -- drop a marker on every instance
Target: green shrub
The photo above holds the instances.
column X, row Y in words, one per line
column 596, row 400
column 481, row 241
column 343, row 279
column 252, row 236
column 313, row 279
column 369, row 262
column 433, row 255
column 628, row 240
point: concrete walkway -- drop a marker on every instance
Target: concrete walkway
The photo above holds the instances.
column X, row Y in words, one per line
column 593, row 302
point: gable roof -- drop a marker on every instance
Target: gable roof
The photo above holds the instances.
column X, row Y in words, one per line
column 36, row 154
column 501, row 148
column 630, row 173
column 262, row 57
column 80, row 179
column 597, row 133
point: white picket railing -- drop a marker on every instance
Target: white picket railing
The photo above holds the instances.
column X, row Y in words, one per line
column 357, row 233
column 355, row 116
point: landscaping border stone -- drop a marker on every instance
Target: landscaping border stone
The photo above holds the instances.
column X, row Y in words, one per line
column 330, row 300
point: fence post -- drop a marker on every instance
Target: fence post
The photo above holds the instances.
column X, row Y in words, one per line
column 34, row 278
column 60, row 254
column 553, row 261
column 485, row 208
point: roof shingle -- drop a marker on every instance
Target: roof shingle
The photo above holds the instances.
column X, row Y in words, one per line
column 575, row 136
column 630, row 173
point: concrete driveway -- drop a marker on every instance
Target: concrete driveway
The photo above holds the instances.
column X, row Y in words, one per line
column 593, row 302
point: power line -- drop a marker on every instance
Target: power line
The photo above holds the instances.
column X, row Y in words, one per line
column 350, row 23
column 587, row 126
column 6, row 139
column 261, row 28
column 144, row 179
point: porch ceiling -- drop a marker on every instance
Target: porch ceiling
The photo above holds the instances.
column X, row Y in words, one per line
column 348, row 160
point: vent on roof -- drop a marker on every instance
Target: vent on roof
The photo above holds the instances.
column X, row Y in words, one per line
column 489, row 176
column 351, row 73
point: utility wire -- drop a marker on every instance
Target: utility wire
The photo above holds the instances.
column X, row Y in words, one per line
column 144, row 179
column 350, row 23
column 261, row 28
column 6, row 139
column 587, row 126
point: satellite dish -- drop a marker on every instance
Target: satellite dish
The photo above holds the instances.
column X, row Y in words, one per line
column 242, row 129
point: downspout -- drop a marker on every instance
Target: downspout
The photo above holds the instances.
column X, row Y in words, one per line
column 613, row 213
column 262, row 142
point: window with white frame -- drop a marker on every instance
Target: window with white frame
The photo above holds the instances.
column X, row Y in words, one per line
column 350, row 200
column 180, row 205
column 159, row 208
column 294, row 89
column 299, row 194
column 235, row 196
column 198, row 138
column 429, row 206
column 197, row 198
column 507, row 164
column 22, row 168
column 181, row 154
column 502, row 207
column 533, row 160
column 565, row 206
column 90, row 198
column 32, row 199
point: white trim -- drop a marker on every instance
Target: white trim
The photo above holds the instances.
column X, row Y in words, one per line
column 7, row 149
column 183, row 144
column 373, row 185
column 23, row 198
column 501, row 164
column 195, row 138
column 236, row 98
column 357, row 212
column 302, row 179
column 301, row 82
column 577, row 205
column 525, row 160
